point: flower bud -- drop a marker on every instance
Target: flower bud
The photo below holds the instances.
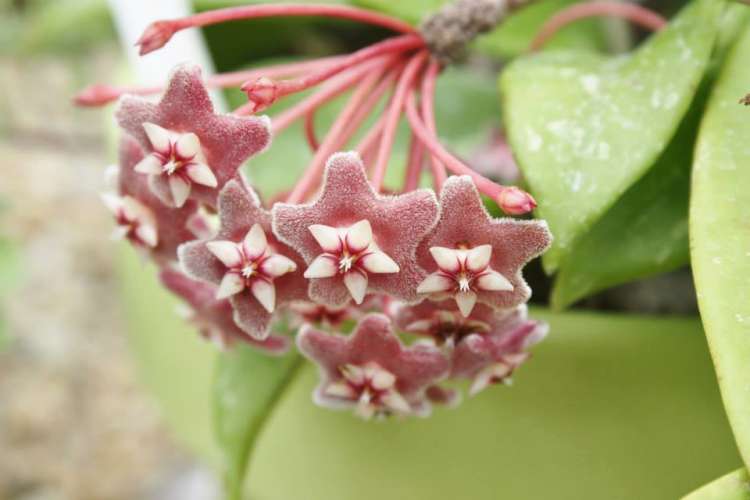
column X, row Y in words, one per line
column 97, row 95
column 156, row 36
column 515, row 201
column 261, row 92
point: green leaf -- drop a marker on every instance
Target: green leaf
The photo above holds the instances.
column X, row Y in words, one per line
column 720, row 247
column 173, row 361
column 733, row 486
column 585, row 128
column 248, row 385
column 644, row 233
column 610, row 407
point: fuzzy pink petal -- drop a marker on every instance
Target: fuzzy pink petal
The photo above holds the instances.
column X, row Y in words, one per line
column 373, row 341
column 239, row 211
column 507, row 343
column 171, row 223
column 250, row 315
column 464, row 220
column 398, row 224
column 432, row 317
column 227, row 141
column 216, row 313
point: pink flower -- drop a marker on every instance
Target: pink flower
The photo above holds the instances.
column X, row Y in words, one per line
column 318, row 314
column 443, row 396
column 371, row 370
column 135, row 221
column 250, row 266
column 354, row 240
column 141, row 217
column 475, row 257
column 214, row 317
column 492, row 357
column 192, row 152
column 444, row 323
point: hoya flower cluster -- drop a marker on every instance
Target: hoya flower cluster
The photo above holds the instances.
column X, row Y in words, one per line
column 431, row 266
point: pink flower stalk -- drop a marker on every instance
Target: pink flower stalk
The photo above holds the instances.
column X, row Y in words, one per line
column 160, row 32
column 354, row 240
column 473, row 257
column 192, row 152
column 213, row 317
column 250, row 266
column 371, row 370
column 340, row 247
column 630, row 11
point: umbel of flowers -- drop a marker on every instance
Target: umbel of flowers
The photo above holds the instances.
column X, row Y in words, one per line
column 429, row 265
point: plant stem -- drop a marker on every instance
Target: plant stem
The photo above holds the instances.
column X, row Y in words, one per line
column 484, row 185
column 336, row 137
column 328, row 92
column 414, row 164
column 633, row 12
column 428, row 114
column 398, row 44
column 392, row 118
column 292, row 10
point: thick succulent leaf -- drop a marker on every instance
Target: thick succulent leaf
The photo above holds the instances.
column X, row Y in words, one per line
column 584, row 128
column 597, row 413
column 173, row 361
column 645, row 232
column 733, row 486
column 248, row 384
column 720, row 245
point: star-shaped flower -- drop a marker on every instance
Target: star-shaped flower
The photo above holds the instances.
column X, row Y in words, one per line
column 491, row 358
column 371, row 370
column 141, row 217
column 250, row 266
column 192, row 152
column 444, row 323
column 135, row 221
column 214, row 317
column 475, row 257
column 319, row 314
column 354, row 240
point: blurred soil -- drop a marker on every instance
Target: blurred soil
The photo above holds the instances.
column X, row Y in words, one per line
column 74, row 422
